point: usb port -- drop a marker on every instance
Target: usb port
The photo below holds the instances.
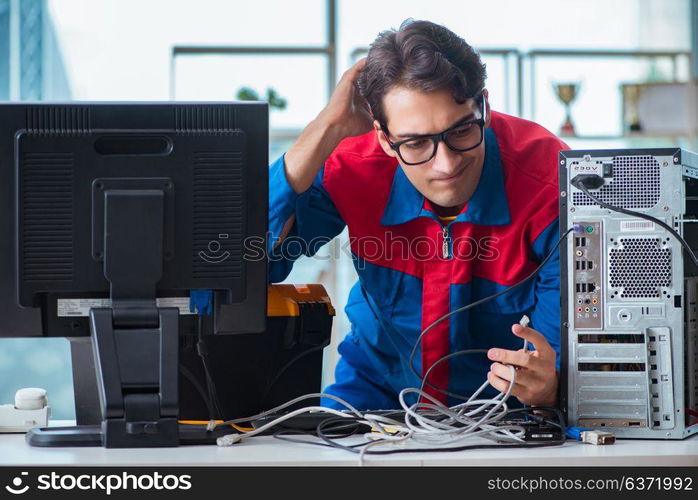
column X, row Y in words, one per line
column 590, row 265
column 577, row 265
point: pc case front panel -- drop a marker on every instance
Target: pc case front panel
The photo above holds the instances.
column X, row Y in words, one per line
column 623, row 292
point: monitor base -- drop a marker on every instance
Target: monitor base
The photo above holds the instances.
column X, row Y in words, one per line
column 91, row 435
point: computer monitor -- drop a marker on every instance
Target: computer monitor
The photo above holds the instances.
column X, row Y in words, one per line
column 111, row 214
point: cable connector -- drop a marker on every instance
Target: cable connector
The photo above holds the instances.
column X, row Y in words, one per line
column 598, row 437
column 201, row 301
column 229, row 439
column 575, row 432
column 524, row 321
column 589, row 181
column 590, row 436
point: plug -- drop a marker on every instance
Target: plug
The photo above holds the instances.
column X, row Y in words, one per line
column 201, row 301
column 229, row 439
column 589, row 181
column 590, row 436
column 597, row 437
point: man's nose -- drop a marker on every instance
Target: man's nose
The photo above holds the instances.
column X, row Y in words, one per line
column 446, row 161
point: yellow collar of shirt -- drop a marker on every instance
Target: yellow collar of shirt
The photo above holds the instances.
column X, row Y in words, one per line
column 447, row 219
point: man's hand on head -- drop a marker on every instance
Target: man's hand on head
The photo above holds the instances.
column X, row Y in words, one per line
column 536, row 377
column 346, row 114
column 347, row 110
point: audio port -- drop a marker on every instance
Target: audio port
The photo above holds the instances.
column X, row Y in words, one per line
column 594, row 301
column 579, row 300
column 586, row 309
column 579, row 309
column 594, row 309
column 587, row 301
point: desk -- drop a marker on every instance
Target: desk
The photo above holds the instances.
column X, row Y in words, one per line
column 268, row 451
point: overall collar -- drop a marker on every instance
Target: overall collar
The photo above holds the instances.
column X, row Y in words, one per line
column 488, row 206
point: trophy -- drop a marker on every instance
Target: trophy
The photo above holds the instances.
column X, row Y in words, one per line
column 631, row 97
column 567, row 92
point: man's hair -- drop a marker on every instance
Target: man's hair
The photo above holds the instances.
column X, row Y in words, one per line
column 420, row 56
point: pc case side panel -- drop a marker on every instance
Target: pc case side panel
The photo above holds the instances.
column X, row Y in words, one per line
column 691, row 355
column 564, row 386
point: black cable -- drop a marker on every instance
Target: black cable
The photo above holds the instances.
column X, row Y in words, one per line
column 541, row 419
column 330, row 442
column 283, row 437
column 474, row 304
column 346, row 427
column 277, row 377
column 445, row 358
column 199, row 388
column 327, row 439
column 202, row 350
column 422, row 379
column 327, row 432
column 579, row 182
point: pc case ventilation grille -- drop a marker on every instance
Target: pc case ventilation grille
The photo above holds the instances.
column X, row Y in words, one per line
column 635, row 184
column 639, row 266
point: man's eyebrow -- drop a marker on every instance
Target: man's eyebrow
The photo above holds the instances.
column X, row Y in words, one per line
column 466, row 118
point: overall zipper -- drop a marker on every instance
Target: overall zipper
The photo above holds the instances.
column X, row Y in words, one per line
column 446, row 243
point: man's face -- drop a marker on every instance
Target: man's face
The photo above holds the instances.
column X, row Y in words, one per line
column 449, row 178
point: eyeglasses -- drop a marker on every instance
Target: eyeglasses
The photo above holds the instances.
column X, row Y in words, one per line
column 461, row 137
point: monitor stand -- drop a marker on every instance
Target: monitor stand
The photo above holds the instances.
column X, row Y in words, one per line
column 135, row 343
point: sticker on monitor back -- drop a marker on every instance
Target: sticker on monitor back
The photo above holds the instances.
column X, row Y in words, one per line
column 81, row 307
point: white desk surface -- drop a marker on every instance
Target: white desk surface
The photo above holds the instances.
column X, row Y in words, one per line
column 268, row 451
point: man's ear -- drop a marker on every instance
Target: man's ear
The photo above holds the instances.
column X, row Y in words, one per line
column 382, row 140
column 488, row 109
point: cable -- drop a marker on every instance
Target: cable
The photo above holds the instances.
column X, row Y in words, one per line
column 291, row 403
column 208, row 422
column 581, row 181
column 202, row 350
column 428, row 421
column 418, row 425
column 365, row 451
column 199, row 388
column 445, row 358
column 276, row 378
column 475, row 304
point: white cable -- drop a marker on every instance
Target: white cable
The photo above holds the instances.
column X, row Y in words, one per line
column 290, row 403
column 427, row 420
column 230, row 439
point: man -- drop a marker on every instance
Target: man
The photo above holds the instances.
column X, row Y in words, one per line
column 446, row 202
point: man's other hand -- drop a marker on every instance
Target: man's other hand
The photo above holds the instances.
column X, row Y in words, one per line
column 536, row 377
